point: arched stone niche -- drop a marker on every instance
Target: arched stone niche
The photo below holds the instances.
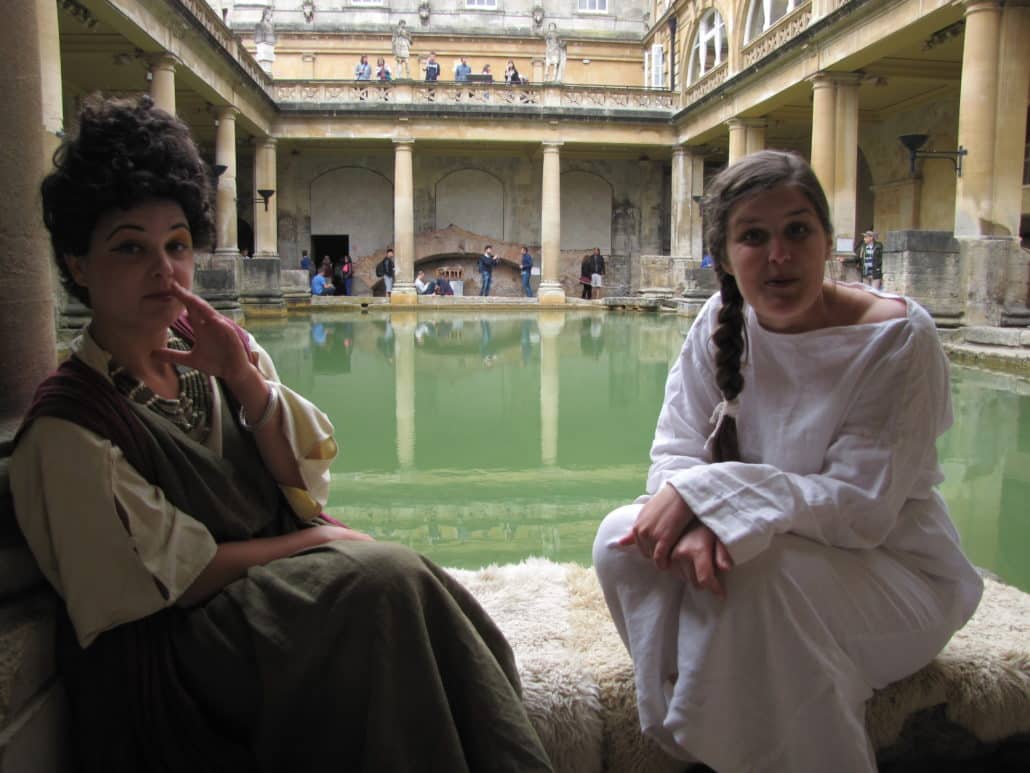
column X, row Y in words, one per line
column 473, row 200
column 586, row 212
column 354, row 201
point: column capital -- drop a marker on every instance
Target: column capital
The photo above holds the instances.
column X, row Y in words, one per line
column 551, row 146
column 404, row 143
column 825, row 78
column 265, row 142
column 753, row 123
column 164, row 61
column 226, row 113
column 976, row 6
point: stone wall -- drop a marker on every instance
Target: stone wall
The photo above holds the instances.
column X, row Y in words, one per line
column 614, row 204
column 928, row 266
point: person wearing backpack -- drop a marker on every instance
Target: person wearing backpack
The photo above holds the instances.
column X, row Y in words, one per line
column 387, row 269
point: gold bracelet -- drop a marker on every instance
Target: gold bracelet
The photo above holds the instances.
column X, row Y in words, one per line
column 273, row 399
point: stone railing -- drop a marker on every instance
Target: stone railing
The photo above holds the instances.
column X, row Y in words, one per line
column 708, row 83
column 560, row 96
column 206, row 17
column 790, row 26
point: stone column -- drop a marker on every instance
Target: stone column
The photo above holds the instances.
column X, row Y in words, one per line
column 225, row 195
column 687, row 182
column 404, row 385
column 550, row 291
column 755, row 136
column 824, row 131
column 1010, row 130
column 679, row 201
column 988, row 195
column 265, row 218
column 738, row 139
column 27, row 346
column 977, row 115
column 844, row 201
column 404, row 223
column 162, row 84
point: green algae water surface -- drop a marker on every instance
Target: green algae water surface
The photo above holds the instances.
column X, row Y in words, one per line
column 478, row 438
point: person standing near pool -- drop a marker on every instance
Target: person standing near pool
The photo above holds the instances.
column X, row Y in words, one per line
column 526, row 271
column 597, row 271
column 487, row 261
column 792, row 553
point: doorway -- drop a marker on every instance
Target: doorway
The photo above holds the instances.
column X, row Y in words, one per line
column 333, row 245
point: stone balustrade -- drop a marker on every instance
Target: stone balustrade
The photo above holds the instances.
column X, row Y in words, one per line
column 300, row 94
column 786, row 28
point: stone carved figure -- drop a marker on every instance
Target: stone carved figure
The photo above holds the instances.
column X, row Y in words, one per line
column 264, row 30
column 554, row 54
column 264, row 38
column 401, row 49
column 424, row 11
column 308, row 9
column 538, row 16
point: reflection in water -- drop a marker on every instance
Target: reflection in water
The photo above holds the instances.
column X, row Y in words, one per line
column 986, row 461
column 476, row 439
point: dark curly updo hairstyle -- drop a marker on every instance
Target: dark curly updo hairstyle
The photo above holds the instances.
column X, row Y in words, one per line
column 750, row 176
column 122, row 153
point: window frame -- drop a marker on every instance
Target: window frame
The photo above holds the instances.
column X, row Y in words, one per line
column 715, row 33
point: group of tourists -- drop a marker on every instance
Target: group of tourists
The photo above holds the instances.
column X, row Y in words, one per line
column 333, row 277
column 363, row 70
column 792, row 552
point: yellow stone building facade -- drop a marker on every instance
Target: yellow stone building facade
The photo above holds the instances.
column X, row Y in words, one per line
column 622, row 111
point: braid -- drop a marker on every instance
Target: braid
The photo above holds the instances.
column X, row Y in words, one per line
column 730, row 340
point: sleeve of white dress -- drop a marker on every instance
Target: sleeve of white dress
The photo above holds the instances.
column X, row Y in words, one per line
column 882, row 454
column 108, row 541
column 310, row 435
column 690, row 397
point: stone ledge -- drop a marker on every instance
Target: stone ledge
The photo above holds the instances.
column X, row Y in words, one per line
column 1005, row 359
column 36, row 741
column 996, row 336
column 26, row 651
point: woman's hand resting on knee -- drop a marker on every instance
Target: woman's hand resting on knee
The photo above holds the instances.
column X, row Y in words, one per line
column 668, row 533
column 699, row 556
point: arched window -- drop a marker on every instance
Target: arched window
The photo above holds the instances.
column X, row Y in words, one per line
column 710, row 48
column 765, row 13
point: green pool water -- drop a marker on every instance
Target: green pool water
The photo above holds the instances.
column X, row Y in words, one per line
column 489, row 438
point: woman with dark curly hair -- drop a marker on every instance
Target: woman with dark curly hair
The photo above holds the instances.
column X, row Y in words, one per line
column 792, row 552
column 172, row 489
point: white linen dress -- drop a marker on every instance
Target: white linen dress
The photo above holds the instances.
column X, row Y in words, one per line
column 847, row 574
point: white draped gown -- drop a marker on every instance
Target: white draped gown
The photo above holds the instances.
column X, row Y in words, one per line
column 848, row 573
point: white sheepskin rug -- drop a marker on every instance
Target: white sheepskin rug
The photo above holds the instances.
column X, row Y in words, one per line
column 578, row 679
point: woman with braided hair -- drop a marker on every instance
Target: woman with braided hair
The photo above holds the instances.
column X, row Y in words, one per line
column 792, row 552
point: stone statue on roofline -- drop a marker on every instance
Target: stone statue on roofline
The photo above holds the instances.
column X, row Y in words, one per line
column 264, row 39
column 554, row 54
column 401, row 49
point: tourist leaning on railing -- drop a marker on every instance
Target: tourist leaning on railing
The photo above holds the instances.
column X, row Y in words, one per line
column 172, row 491
column 792, row 553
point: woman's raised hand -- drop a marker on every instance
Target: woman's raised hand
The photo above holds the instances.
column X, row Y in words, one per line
column 699, row 556
column 217, row 348
column 660, row 525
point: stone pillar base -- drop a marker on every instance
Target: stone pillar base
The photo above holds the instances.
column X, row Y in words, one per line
column 996, row 281
column 926, row 266
column 219, row 284
column 404, row 294
column 551, row 294
column 260, row 290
